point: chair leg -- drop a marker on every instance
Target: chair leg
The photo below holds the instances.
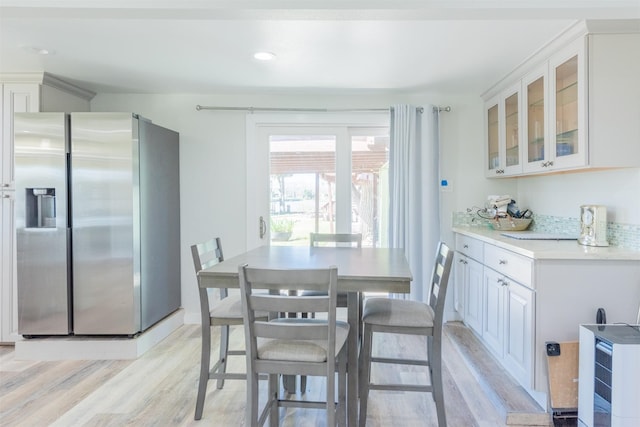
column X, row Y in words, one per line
column 205, row 360
column 251, row 415
column 430, row 360
column 436, row 379
column 365, row 373
column 331, row 399
column 289, row 383
column 224, row 347
column 274, row 412
column 360, row 308
column 342, row 389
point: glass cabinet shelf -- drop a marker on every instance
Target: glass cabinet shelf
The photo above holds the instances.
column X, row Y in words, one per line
column 536, row 104
column 565, row 136
column 567, row 94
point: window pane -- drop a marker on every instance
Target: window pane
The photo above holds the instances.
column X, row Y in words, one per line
column 302, row 183
column 369, row 187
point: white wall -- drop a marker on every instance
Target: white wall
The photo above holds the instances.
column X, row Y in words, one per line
column 213, row 155
column 562, row 194
column 213, row 171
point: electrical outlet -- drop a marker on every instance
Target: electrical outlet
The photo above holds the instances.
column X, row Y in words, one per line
column 553, row 349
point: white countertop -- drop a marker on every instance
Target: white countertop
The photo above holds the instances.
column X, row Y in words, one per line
column 549, row 249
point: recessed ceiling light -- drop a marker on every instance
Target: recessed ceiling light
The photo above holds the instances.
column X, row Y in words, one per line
column 265, row 56
column 38, row 50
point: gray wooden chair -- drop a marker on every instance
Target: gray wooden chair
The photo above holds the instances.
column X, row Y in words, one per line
column 225, row 313
column 293, row 346
column 335, row 239
column 386, row 315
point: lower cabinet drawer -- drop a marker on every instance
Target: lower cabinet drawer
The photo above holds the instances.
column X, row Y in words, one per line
column 509, row 263
column 469, row 246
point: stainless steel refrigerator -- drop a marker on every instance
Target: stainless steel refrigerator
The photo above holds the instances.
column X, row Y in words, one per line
column 97, row 223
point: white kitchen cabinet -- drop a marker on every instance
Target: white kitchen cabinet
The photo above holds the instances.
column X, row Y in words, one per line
column 18, row 97
column 8, row 306
column 493, row 163
column 493, row 312
column 468, row 281
column 473, row 295
column 539, row 291
column 459, row 276
column 579, row 103
column 29, row 92
column 564, row 145
column 535, row 129
column 508, row 324
column 507, row 311
column 503, row 116
column 518, row 334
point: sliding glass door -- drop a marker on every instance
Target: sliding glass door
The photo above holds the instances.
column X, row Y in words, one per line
column 310, row 177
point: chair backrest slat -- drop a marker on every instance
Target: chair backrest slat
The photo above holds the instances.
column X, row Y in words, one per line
column 338, row 239
column 207, row 254
column 299, row 304
column 439, row 282
column 291, row 330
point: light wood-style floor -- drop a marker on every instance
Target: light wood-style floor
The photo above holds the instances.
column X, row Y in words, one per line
column 159, row 389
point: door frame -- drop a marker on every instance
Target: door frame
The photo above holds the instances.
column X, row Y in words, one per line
column 257, row 191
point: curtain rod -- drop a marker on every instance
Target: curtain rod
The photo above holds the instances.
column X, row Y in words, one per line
column 308, row 110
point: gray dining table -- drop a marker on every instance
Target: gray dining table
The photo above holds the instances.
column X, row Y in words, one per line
column 359, row 270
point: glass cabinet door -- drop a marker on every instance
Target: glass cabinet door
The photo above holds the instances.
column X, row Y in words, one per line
column 566, row 93
column 493, row 145
column 535, row 120
column 512, row 140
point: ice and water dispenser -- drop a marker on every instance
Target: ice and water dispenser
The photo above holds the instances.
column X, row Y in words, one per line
column 41, row 208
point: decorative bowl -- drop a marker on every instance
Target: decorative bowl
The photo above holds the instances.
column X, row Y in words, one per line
column 511, row 224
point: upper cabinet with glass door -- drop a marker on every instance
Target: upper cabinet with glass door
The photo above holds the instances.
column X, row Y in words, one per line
column 568, row 112
column 534, row 92
column 579, row 106
column 494, row 165
column 503, row 118
column 511, row 130
column 556, row 101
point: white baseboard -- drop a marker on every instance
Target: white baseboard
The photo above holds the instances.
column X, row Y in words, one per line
column 97, row 348
column 192, row 318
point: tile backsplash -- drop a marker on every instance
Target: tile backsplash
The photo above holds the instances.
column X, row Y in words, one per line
column 622, row 235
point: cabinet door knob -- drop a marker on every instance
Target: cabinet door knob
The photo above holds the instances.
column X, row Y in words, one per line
column 502, row 261
column 465, row 246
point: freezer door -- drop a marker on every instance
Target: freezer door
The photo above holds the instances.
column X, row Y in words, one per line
column 106, row 226
column 41, row 223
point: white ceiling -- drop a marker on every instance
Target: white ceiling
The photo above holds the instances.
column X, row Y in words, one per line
column 201, row 46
